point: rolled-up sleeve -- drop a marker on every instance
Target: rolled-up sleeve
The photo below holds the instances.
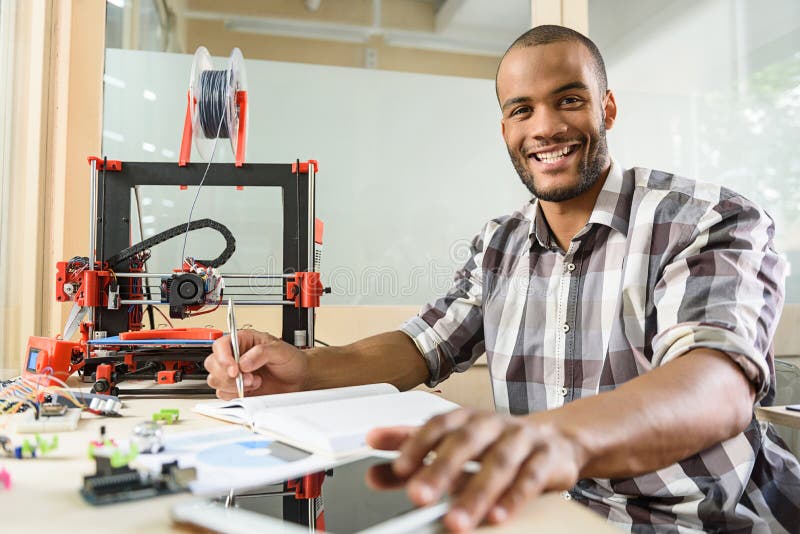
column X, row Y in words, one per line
column 723, row 290
column 449, row 331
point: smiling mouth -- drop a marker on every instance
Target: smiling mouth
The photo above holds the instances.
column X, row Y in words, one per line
column 553, row 156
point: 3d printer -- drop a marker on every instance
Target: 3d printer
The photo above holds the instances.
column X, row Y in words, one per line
column 111, row 288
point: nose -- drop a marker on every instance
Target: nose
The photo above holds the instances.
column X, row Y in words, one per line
column 546, row 123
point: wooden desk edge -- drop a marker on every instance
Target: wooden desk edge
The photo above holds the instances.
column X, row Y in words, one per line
column 778, row 415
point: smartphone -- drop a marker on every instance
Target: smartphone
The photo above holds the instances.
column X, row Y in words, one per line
column 348, row 504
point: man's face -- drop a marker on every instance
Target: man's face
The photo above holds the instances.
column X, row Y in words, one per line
column 555, row 118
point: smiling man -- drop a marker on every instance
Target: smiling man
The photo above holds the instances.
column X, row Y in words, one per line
column 627, row 316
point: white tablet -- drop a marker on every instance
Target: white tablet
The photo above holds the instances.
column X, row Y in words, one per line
column 348, row 505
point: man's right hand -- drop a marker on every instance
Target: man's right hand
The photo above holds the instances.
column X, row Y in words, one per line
column 268, row 365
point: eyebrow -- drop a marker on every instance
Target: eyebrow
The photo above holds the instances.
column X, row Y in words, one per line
column 515, row 100
column 566, row 87
column 570, row 86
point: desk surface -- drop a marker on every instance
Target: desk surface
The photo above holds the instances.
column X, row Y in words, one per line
column 45, row 490
column 779, row 415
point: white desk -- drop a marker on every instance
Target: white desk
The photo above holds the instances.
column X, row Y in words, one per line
column 44, row 493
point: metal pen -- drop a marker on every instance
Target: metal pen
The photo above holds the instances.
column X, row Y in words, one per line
column 235, row 345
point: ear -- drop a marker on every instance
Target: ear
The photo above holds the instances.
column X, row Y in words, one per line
column 503, row 129
column 609, row 110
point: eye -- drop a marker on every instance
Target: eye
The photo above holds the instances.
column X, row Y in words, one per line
column 520, row 111
column 571, row 101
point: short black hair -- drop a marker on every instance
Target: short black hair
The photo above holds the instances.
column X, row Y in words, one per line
column 550, row 33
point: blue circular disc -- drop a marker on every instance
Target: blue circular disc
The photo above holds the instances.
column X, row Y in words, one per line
column 242, row 454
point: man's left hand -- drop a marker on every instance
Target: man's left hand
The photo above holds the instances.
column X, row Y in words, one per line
column 519, row 459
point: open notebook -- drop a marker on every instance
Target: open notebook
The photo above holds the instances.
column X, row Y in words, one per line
column 333, row 422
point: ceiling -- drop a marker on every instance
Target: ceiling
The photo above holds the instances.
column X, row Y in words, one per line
column 481, row 27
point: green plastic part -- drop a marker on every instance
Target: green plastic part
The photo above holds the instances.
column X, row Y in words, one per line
column 168, row 415
column 44, row 446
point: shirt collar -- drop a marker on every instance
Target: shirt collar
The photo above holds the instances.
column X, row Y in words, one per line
column 611, row 209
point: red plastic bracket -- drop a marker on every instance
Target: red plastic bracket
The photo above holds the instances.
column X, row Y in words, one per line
column 104, row 371
column 304, row 166
column 113, row 164
column 93, row 289
column 186, row 139
column 308, row 487
column 319, row 229
column 168, row 377
column 241, row 134
column 305, row 290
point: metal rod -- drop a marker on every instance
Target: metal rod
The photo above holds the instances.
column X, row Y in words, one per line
column 92, row 231
column 233, row 295
column 282, row 276
column 311, row 218
column 267, row 494
column 312, row 175
column 162, row 391
column 167, row 275
column 258, row 288
column 158, row 286
column 126, row 302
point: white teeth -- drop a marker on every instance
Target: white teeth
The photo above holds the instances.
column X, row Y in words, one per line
column 550, row 157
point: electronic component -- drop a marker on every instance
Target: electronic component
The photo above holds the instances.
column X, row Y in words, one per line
column 111, row 484
column 50, row 361
column 28, row 423
column 113, row 297
column 108, row 407
column 51, row 409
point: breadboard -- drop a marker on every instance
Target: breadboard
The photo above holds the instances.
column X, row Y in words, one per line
column 28, row 424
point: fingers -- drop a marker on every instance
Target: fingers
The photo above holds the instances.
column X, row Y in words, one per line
column 222, row 350
column 268, row 350
column 414, row 450
column 529, row 483
column 267, row 364
column 499, row 468
column 543, row 471
column 222, row 368
column 519, row 459
column 389, row 438
column 226, row 387
column 469, row 440
column 383, row 477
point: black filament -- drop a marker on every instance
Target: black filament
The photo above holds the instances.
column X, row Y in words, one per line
column 212, row 104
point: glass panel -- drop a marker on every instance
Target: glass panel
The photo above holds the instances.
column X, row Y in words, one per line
column 394, row 147
column 411, row 165
column 254, row 215
column 710, row 90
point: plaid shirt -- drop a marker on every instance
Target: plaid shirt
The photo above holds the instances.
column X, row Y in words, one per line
column 664, row 265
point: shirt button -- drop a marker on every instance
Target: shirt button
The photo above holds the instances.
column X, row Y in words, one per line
column 564, row 392
column 565, row 328
column 570, row 267
column 566, row 495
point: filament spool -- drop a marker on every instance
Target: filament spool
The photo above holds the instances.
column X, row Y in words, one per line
column 217, row 105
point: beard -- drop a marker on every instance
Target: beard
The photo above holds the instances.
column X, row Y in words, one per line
column 589, row 170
